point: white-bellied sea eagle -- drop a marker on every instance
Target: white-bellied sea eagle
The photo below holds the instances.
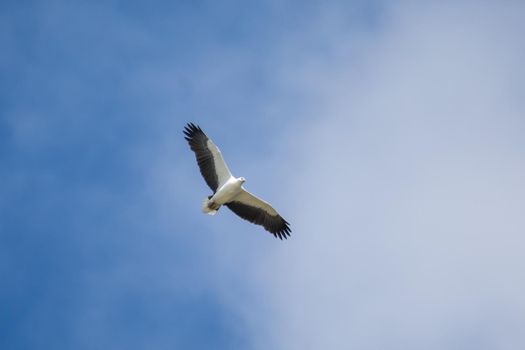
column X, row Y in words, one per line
column 227, row 189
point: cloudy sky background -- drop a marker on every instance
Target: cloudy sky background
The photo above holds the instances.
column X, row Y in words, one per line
column 389, row 134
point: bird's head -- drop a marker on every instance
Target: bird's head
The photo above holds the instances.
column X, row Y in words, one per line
column 242, row 180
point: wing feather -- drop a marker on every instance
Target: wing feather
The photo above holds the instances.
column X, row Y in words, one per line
column 209, row 158
column 259, row 212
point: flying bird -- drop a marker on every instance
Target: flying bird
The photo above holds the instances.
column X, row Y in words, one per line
column 227, row 189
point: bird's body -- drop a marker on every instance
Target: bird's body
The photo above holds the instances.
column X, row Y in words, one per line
column 227, row 189
column 226, row 193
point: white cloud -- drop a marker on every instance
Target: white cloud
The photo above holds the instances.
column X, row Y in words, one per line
column 407, row 189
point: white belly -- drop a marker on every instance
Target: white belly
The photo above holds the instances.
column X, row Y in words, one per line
column 227, row 192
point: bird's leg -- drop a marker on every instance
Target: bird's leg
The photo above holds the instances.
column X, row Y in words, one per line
column 214, row 206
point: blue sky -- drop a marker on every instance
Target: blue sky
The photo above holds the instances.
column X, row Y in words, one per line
column 389, row 134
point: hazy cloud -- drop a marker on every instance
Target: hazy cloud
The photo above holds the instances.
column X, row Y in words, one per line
column 406, row 186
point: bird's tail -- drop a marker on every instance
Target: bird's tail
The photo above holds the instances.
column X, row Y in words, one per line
column 208, row 206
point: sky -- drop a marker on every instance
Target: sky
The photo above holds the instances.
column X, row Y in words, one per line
column 389, row 134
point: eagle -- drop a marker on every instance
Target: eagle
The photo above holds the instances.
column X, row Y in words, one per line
column 227, row 189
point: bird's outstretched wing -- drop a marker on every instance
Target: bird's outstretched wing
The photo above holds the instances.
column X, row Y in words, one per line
column 257, row 211
column 211, row 164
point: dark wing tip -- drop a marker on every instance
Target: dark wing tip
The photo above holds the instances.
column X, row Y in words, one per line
column 283, row 231
column 191, row 130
